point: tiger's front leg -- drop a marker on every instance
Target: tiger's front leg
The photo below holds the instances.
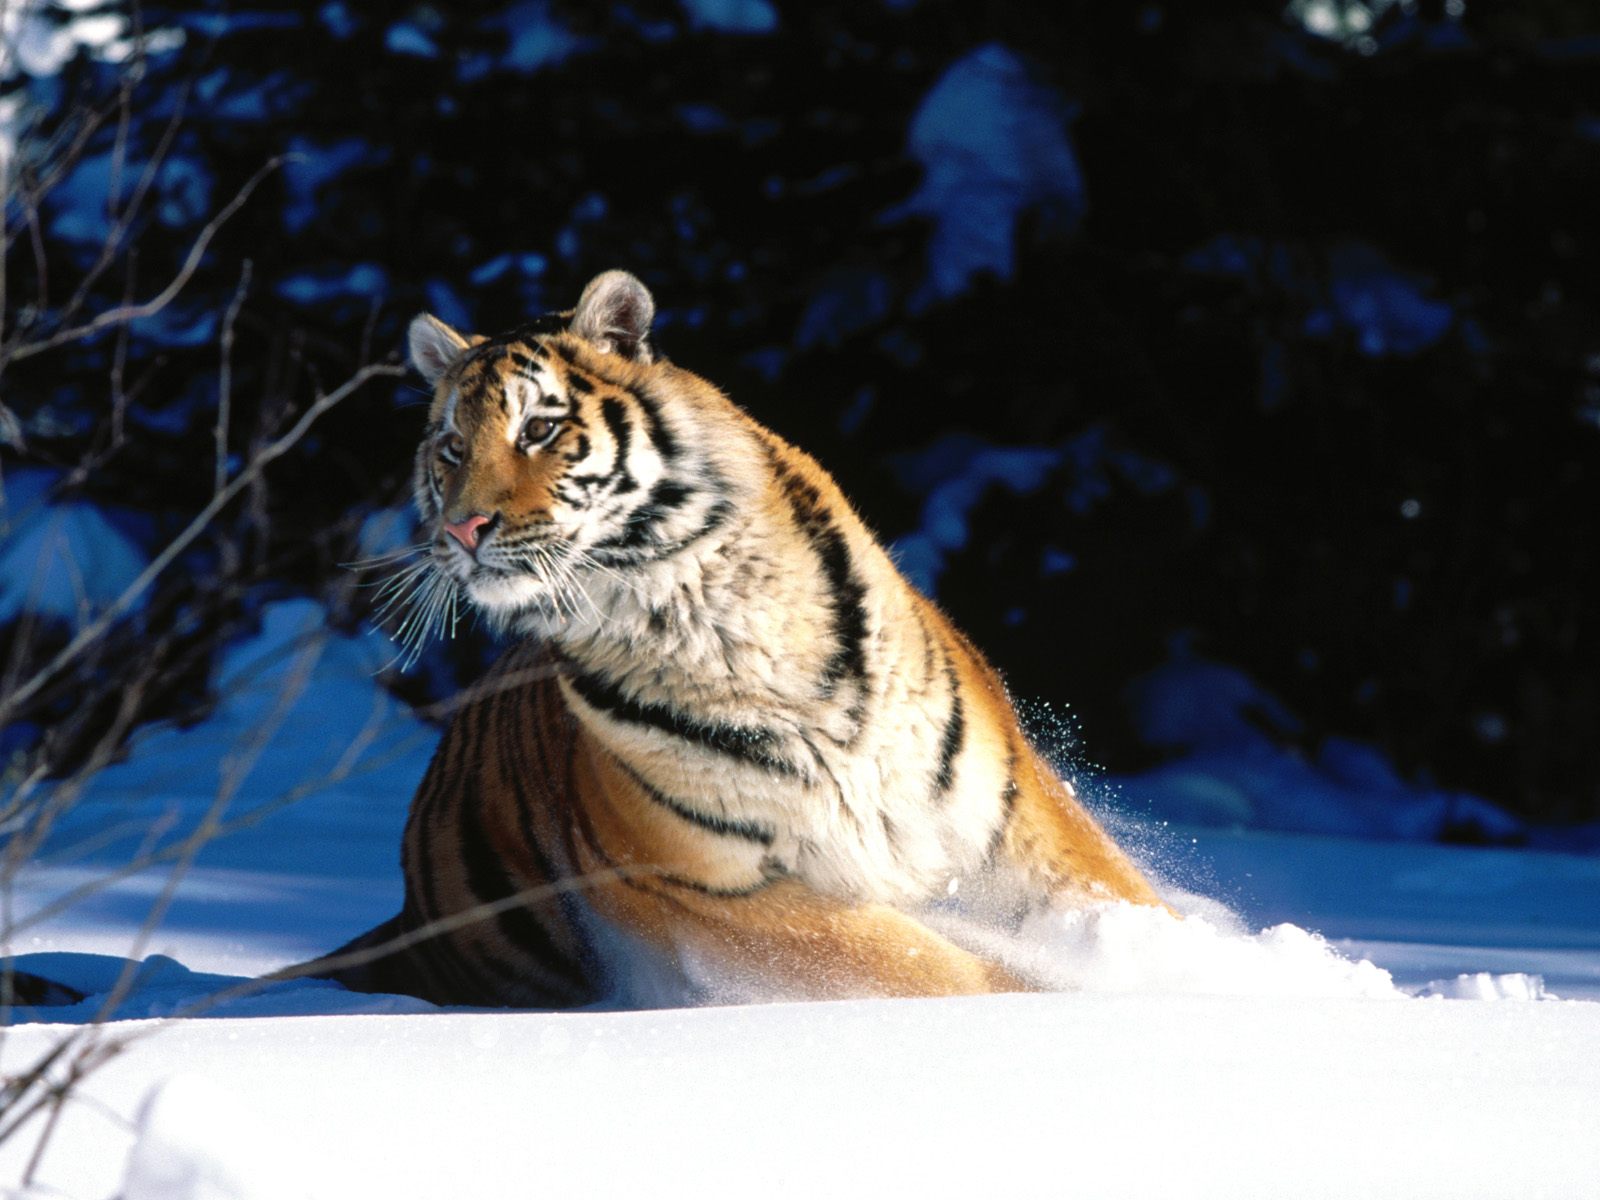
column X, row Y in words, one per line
column 783, row 940
column 739, row 926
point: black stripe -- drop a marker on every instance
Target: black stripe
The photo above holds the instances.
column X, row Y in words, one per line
column 955, row 732
column 752, row 745
column 726, row 826
column 615, row 557
column 489, row 882
column 705, row 889
column 512, row 764
column 640, row 530
column 666, row 445
column 443, row 951
column 615, row 416
column 846, row 593
column 616, row 419
column 577, row 383
column 1008, row 806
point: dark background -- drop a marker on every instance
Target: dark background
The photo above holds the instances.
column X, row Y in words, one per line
column 1303, row 320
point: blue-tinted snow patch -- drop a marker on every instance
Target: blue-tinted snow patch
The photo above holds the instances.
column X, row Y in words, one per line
column 702, row 118
column 175, row 325
column 60, row 560
column 229, row 95
column 1357, row 291
column 337, row 20
column 79, row 201
column 185, row 191
column 311, row 287
column 219, row 24
column 1236, row 766
column 732, row 16
column 955, row 472
column 848, row 300
column 992, row 144
column 534, row 39
column 388, row 531
column 446, row 304
column 405, row 38
column 537, row 38
column 1385, row 308
column 312, row 166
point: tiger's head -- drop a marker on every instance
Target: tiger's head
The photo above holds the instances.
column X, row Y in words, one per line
column 560, row 451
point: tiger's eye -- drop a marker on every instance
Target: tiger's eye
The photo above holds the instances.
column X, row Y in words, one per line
column 452, row 447
column 536, row 432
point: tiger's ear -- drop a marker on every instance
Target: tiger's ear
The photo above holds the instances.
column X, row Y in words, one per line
column 615, row 312
column 434, row 346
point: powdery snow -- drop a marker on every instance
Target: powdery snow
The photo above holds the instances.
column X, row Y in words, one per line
column 1234, row 1053
column 1105, row 1096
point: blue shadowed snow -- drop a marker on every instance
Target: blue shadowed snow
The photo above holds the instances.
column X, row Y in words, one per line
column 177, row 326
column 1357, row 291
column 297, row 703
column 956, row 471
column 59, row 560
column 848, row 300
column 229, row 95
column 312, row 166
column 446, row 304
column 732, row 16
column 388, row 531
column 185, row 191
column 79, row 200
column 312, row 287
column 337, row 19
column 1384, row 306
column 992, row 144
column 535, row 38
column 405, row 38
column 1234, row 769
column 220, row 24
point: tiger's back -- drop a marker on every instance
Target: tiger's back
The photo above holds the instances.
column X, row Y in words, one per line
column 733, row 746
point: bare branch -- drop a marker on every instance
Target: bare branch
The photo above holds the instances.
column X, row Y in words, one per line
column 225, row 379
column 268, row 454
column 167, row 294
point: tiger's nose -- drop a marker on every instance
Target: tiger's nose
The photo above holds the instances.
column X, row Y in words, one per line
column 465, row 530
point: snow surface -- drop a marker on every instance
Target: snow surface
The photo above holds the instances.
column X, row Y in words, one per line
column 992, row 143
column 1397, row 1051
column 61, row 560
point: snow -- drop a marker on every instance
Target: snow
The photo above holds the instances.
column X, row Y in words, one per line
column 61, row 560
column 1356, row 291
column 732, row 16
column 1125, row 1096
column 1237, row 765
column 310, row 166
column 535, row 39
column 1332, row 1017
column 992, row 144
column 957, row 470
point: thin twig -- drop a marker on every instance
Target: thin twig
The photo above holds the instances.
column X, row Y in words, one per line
column 90, row 633
column 164, row 297
column 225, row 379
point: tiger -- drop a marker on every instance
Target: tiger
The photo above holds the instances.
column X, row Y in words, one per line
column 730, row 751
